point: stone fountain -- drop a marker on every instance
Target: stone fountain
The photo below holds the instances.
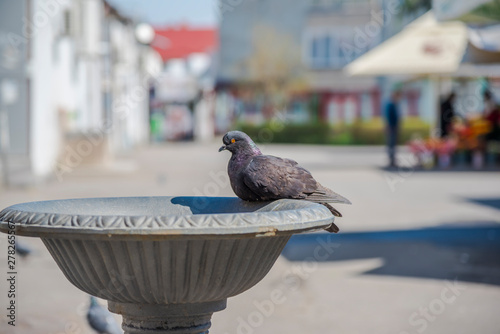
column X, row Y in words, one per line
column 164, row 263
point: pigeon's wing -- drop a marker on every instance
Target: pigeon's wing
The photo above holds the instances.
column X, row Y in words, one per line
column 97, row 319
column 325, row 195
column 273, row 178
column 113, row 326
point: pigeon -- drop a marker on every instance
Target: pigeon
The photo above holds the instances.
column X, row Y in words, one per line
column 101, row 320
column 22, row 249
column 258, row 177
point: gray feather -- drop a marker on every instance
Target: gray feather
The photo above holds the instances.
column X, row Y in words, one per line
column 325, row 195
column 272, row 178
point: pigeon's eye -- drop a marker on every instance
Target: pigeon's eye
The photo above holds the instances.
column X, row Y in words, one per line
column 233, row 141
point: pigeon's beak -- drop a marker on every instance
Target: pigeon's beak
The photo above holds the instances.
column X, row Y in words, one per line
column 222, row 148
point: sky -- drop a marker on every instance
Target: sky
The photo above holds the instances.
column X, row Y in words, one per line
column 168, row 12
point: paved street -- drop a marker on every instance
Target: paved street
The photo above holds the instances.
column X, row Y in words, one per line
column 418, row 252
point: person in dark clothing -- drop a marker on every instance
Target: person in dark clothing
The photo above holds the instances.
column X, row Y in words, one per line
column 392, row 126
column 492, row 115
column 447, row 113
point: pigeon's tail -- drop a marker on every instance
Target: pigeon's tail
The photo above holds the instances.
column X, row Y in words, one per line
column 332, row 228
column 325, row 195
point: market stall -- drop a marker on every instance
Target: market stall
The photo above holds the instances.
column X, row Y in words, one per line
column 446, row 56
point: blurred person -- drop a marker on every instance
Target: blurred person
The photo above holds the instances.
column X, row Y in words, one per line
column 447, row 114
column 492, row 115
column 392, row 114
column 485, row 129
column 489, row 102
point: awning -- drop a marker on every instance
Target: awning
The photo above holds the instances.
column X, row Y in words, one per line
column 425, row 46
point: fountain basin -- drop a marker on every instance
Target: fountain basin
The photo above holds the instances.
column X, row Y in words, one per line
column 165, row 263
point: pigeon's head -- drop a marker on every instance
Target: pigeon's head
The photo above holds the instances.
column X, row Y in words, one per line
column 237, row 141
column 93, row 301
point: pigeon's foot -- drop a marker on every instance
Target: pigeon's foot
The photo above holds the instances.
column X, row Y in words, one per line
column 334, row 211
column 332, row 228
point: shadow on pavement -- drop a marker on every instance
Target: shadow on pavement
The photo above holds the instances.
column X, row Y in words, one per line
column 490, row 202
column 464, row 252
column 411, row 169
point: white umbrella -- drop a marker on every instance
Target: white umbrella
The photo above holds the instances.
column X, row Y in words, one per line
column 425, row 46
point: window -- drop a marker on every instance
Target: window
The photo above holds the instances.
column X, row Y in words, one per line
column 332, row 49
column 320, row 47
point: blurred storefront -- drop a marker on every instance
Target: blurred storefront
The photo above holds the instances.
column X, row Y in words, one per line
column 433, row 58
column 183, row 103
column 454, row 67
column 335, row 35
column 260, row 69
column 292, row 68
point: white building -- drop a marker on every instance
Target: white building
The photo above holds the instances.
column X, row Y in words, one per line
column 130, row 70
column 74, row 86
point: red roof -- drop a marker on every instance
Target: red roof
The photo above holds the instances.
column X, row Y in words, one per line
column 181, row 41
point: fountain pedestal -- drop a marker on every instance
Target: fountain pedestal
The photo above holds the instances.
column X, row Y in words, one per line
column 166, row 319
